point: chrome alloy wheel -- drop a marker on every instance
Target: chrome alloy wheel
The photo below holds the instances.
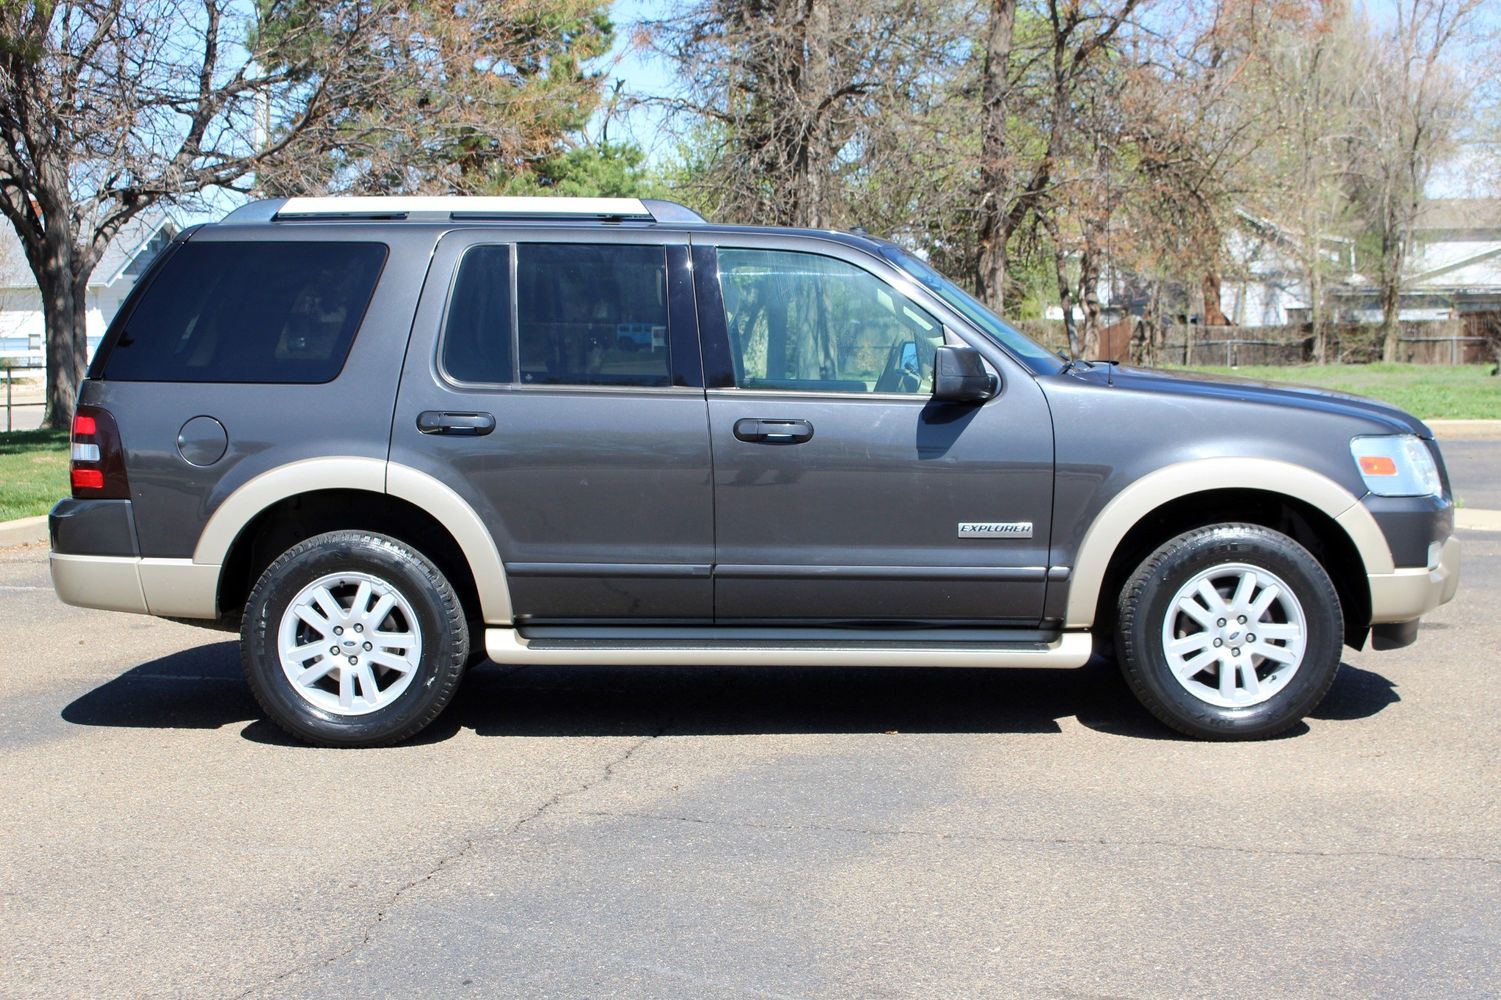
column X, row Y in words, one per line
column 349, row 643
column 1234, row 635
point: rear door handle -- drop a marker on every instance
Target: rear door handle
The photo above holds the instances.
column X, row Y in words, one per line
column 773, row 431
column 450, row 422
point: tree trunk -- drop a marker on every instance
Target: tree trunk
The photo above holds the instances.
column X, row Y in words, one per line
column 65, row 311
column 1391, row 295
column 1391, row 329
column 1089, row 287
column 1066, row 298
column 1214, row 314
column 990, row 267
column 1316, row 314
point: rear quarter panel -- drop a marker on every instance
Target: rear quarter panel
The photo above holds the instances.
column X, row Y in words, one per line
column 267, row 425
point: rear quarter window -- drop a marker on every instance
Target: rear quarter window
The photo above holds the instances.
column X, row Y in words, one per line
column 278, row 312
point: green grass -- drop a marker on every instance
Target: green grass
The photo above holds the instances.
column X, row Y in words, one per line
column 1429, row 392
column 33, row 472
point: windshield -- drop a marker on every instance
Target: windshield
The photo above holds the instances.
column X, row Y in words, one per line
column 1041, row 360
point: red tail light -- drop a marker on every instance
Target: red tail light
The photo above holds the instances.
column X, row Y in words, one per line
column 98, row 470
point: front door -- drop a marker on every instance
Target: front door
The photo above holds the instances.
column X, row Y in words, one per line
column 843, row 492
column 554, row 382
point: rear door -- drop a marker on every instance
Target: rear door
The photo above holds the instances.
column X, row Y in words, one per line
column 554, row 381
column 843, row 492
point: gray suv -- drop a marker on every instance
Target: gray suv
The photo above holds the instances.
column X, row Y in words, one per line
column 386, row 438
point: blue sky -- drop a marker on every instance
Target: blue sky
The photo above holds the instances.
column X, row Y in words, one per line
column 643, row 73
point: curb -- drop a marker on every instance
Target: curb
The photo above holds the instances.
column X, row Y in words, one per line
column 1465, row 430
column 23, row 531
column 1471, row 519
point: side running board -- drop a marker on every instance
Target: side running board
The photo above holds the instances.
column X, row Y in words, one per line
column 859, row 649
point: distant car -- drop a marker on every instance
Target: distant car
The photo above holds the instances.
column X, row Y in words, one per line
column 640, row 337
column 386, row 438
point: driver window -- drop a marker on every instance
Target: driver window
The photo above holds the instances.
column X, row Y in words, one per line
column 807, row 322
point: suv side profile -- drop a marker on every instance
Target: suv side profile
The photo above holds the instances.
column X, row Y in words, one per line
column 386, row 438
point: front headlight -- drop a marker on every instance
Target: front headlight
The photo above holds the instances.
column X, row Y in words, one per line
column 1396, row 465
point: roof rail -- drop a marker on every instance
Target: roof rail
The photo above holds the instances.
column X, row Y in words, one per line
column 444, row 208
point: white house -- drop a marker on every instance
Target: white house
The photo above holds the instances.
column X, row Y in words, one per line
column 22, row 329
column 1268, row 284
column 1456, row 262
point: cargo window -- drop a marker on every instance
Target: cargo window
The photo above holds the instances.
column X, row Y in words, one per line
column 592, row 314
column 277, row 312
column 477, row 332
column 812, row 323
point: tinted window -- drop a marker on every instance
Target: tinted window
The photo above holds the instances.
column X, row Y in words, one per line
column 592, row 315
column 477, row 332
column 807, row 322
column 249, row 312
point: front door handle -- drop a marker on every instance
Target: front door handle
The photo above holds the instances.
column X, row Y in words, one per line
column 773, row 431
column 451, row 422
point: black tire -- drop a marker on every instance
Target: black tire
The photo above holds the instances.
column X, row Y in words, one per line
column 438, row 614
column 1144, row 604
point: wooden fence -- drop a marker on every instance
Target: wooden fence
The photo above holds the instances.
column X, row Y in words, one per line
column 1471, row 340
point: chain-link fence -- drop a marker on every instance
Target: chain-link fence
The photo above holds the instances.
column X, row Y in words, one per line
column 17, row 374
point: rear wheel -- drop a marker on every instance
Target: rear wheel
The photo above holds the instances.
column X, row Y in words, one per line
column 1230, row 632
column 353, row 639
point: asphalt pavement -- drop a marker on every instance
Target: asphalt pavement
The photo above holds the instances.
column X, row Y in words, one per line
column 1474, row 472
column 756, row 832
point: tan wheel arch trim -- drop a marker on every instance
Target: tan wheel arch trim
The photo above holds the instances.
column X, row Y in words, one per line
column 374, row 476
column 1173, row 482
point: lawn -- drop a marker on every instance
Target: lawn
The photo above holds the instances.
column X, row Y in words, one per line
column 33, row 472
column 1430, row 392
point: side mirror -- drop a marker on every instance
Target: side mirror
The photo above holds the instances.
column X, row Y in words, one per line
column 960, row 376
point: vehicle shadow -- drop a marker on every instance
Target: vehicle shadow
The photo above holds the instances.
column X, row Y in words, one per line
column 202, row 688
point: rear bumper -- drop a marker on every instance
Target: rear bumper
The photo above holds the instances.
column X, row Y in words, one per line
column 170, row 588
column 94, row 565
column 1408, row 594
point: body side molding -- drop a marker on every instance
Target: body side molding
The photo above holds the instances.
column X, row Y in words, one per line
column 1183, row 479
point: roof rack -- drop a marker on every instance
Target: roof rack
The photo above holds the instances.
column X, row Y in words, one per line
column 445, row 208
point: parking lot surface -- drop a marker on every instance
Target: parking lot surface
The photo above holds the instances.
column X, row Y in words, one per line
column 748, row 832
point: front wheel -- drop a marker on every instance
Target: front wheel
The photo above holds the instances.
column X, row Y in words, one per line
column 353, row 639
column 1230, row 632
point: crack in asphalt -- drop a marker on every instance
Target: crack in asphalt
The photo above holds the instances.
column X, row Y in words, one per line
column 448, row 860
column 1041, row 841
column 454, row 857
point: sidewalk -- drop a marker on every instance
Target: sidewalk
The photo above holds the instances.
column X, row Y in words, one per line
column 25, row 413
column 1466, row 430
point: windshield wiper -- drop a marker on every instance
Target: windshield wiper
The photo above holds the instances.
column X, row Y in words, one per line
column 1069, row 364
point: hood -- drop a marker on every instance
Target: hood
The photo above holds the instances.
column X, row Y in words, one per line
column 1391, row 419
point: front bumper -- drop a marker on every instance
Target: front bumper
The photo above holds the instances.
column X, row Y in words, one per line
column 1407, row 594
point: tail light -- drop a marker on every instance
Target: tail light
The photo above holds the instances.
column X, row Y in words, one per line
column 98, row 469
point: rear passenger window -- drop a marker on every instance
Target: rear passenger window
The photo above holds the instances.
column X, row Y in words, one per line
column 249, row 312
column 477, row 333
column 592, row 314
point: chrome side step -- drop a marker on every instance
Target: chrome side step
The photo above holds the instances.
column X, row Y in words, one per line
column 856, row 649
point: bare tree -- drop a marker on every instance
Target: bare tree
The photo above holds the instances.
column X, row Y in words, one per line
column 110, row 107
column 1309, row 85
column 795, row 93
column 1014, row 183
column 1410, row 100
